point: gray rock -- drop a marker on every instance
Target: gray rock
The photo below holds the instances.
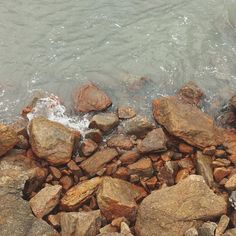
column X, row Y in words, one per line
column 191, row 232
column 207, row 229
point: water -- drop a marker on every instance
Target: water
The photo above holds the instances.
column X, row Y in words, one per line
column 55, row 45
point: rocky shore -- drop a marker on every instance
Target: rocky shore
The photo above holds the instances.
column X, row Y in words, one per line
column 171, row 175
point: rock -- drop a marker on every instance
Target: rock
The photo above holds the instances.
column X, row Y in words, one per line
column 90, row 98
column 95, row 135
column 120, row 141
column 191, row 232
column 78, row 194
column 20, row 126
column 173, row 210
column 51, row 141
column 122, row 173
column 182, row 174
column 125, row 230
column 220, row 154
column 233, row 218
column 222, row 225
column 125, row 112
column 230, row 143
column 104, row 122
column 108, row 229
column 232, row 199
column 185, row 148
column 220, row 173
column 115, row 199
column 186, row 122
column 191, row 93
column 23, row 142
column 74, row 168
column 117, row 222
column 142, row 167
column 98, row 160
column 8, row 138
column 16, row 217
column 230, row 232
column 45, row 200
column 80, row 223
column 129, row 157
column 221, row 163
column 232, row 102
column 55, row 172
column 54, row 220
column 66, row 182
column 207, row 229
column 186, row 163
column 210, row 151
column 204, row 167
column 88, row 147
column 230, row 185
column 138, row 126
column 155, row 141
column 151, row 183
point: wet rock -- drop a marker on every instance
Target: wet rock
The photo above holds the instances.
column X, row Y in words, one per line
column 138, row 126
column 8, row 138
column 78, row 194
column 104, row 122
column 98, row 160
column 230, row 143
column 230, row 185
column 222, row 225
column 191, row 232
column 51, row 141
column 88, row 147
column 185, row 148
column 220, row 173
column 155, row 141
column 80, row 223
column 204, row 168
column 207, row 229
column 95, row 135
column 125, row 112
column 129, row 157
column 45, row 200
column 91, row 98
column 230, row 232
column 115, row 199
column 120, row 141
column 142, row 167
column 191, row 93
column 173, row 210
column 186, row 122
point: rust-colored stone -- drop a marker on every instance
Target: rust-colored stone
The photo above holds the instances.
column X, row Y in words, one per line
column 88, row 147
column 120, row 141
column 220, row 173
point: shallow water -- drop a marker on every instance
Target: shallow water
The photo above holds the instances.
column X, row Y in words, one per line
column 55, row 45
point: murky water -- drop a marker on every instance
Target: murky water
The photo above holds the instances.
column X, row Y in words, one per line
column 55, row 45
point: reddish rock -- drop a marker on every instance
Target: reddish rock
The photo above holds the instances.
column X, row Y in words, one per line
column 98, row 160
column 122, row 173
column 129, row 157
column 220, row 173
column 186, row 122
column 230, row 143
column 54, row 220
column 23, row 142
column 185, row 148
column 55, row 172
column 88, row 147
column 142, row 167
column 151, row 183
column 66, row 182
column 45, row 200
column 112, row 168
column 120, row 141
column 51, row 141
column 155, row 141
column 125, row 112
column 220, row 154
column 231, row 183
column 74, row 168
column 95, row 135
column 90, row 98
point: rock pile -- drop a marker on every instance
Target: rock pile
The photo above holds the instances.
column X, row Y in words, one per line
column 126, row 176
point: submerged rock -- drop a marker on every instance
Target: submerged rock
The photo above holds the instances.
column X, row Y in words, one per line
column 173, row 210
column 51, row 141
column 91, row 98
column 186, row 122
column 125, row 112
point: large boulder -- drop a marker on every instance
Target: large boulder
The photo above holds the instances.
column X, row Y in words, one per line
column 91, row 98
column 174, row 210
column 51, row 141
column 186, row 122
column 8, row 138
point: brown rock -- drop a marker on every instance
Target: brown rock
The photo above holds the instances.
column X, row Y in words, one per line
column 51, row 141
column 80, row 223
column 222, row 225
column 173, row 210
column 138, row 126
column 74, row 168
column 95, row 135
column 108, row 229
column 233, row 218
column 210, row 151
column 55, row 172
column 117, row 222
column 142, row 167
column 98, row 160
column 79, row 194
column 23, row 142
column 182, row 174
column 155, row 141
column 120, row 141
column 20, row 127
column 115, row 199
column 230, row 143
column 151, row 183
column 125, row 112
column 104, row 121
column 230, row 232
column 45, row 200
column 219, row 162
column 122, row 173
column 88, row 147
column 66, row 182
column 220, row 153
column 220, row 173
column 231, row 183
column 8, row 139
column 185, row 148
column 129, row 157
column 54, row 220
column 90, row 98
column 186, row 163
column 112, row 168
column 186, row 122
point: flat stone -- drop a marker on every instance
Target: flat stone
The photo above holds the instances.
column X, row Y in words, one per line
column 88, row 147
column 230, row 185
column 80, row 223
column 8, row 138
column 51, row 141
column 120, row 141
column 122, row 173
column 91, row 98
column 129, row 157
column 186, row 122
column 173, row 210
column 210, row 151
column 219, row 162
column 98, row 161
column 230, row 143
column 56, row 173
column 155, row 141
column 186, row 163
column 45, row 200
column 222, row 225
column 78, row 194
column 115, row 199
column 125, row 112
